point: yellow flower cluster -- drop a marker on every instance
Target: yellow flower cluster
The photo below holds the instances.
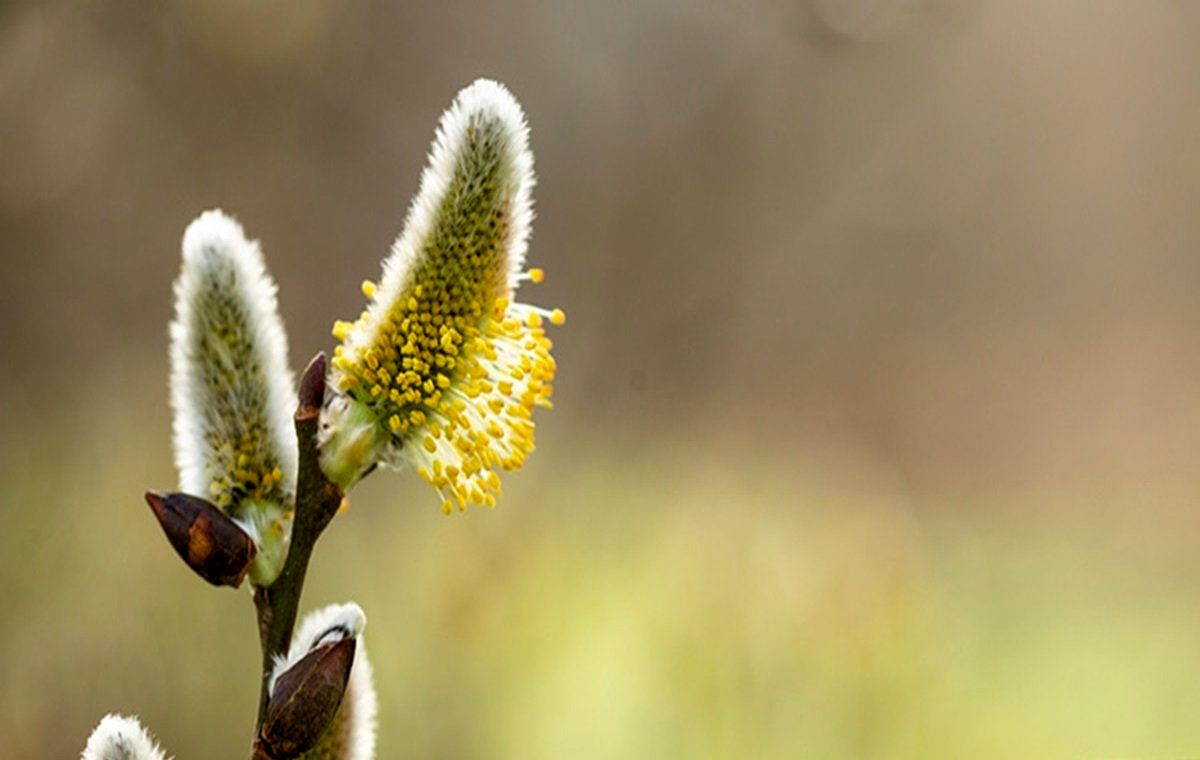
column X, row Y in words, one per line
column 240, row 472
column 456, row 373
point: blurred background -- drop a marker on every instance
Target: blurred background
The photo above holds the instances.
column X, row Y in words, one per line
column 877, row 413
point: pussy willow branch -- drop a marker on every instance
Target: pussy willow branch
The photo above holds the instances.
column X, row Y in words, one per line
column 317, row 501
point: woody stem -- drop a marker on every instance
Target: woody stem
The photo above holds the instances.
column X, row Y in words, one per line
column 317, row 501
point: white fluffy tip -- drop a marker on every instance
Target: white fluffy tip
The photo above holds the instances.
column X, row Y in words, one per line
column 324, row 626
column 491, row 97
column 212, row 230
column 121, row 738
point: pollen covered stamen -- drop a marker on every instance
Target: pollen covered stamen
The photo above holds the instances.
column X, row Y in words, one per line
column 455, row 373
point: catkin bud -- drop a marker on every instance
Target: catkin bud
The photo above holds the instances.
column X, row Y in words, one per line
column 231, row 388
column 350, row 735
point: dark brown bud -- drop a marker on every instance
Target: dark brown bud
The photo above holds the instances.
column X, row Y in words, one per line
column 305, row 700
column 311, row 394
column 205, row 537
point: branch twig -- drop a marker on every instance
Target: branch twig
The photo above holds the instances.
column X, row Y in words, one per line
column 317, row 501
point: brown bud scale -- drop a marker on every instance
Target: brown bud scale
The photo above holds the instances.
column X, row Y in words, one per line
column 305, row 700
column 311, row 394
column 205, row 538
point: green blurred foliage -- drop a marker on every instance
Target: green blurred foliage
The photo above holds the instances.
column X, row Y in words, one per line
column 680, row 603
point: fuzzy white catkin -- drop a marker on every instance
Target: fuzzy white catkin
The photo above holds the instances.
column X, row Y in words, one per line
column 120, row 738
column 236, row 389
column 351, row 736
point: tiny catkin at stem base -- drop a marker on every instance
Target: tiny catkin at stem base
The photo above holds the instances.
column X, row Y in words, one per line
column 317, row 501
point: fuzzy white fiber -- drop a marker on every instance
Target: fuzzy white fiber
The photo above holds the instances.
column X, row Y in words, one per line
column 215, row 391
column 484, row 104
column 351, row 736
column 121, row 738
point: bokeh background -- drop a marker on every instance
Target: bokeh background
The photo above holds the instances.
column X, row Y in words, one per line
column 877, row 417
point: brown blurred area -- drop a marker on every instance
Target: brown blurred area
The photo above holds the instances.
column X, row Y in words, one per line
column 940, row 230
column 933, row 255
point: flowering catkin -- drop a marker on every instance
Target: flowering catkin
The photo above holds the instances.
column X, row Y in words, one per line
column 443, row 369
